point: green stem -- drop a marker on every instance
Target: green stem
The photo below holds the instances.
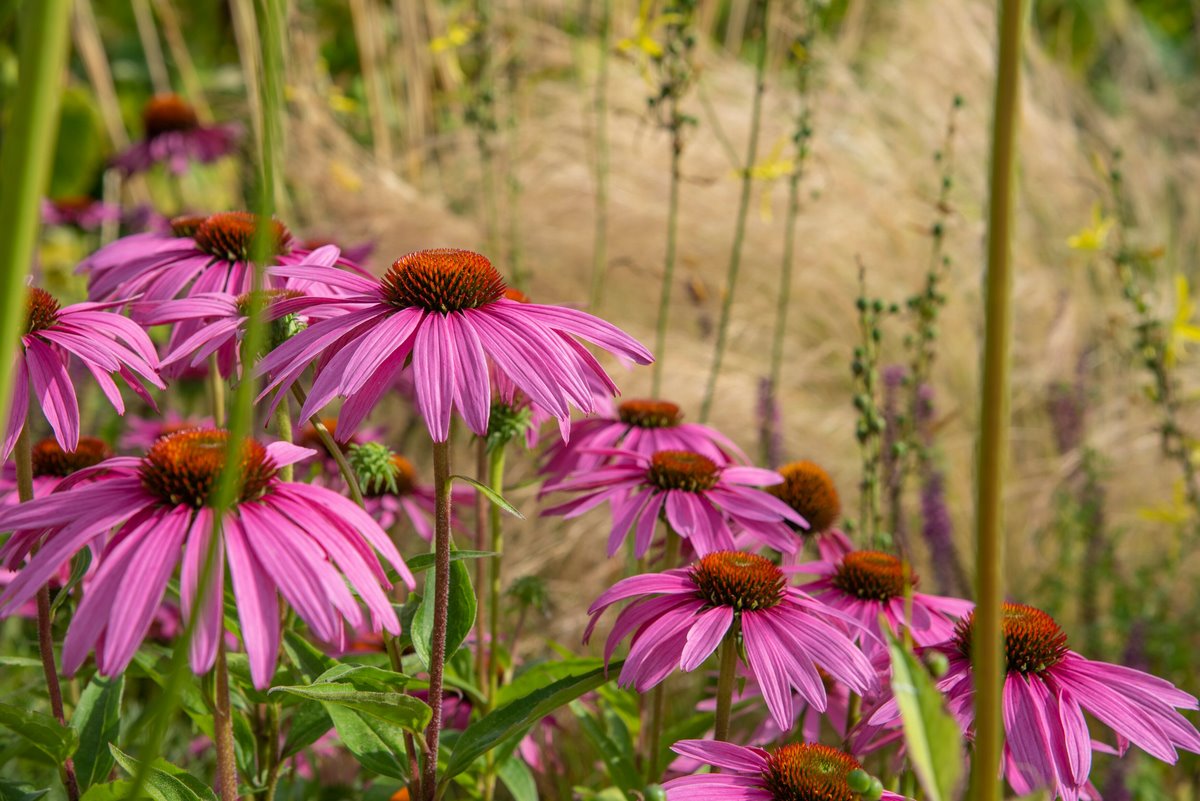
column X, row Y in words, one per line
column 481, row 568
column 25, row 155
column 600, row 110
column 334, row 450
column 23, row 456
column 216, row 392
column 994, row 417
column 496, row 529
column 441, row 604
column 227, row 778
column 726, row 679
column 739, row 235
column 664, row 301
column 658, row 698
column 283, row 420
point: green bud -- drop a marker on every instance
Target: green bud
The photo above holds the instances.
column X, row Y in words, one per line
column 373, row 467
column 858, row 780
column 937, row 663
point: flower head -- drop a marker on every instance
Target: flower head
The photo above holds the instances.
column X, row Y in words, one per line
column 82, row 212
column 445, row 311
column 1047, row 689
column 870, row 585
column 106, row 343
column 680, row 616
column 643, row 426
column 51, row 464
column 307, row 543
column 175, row 138
column 793, row 772
column 703, row 500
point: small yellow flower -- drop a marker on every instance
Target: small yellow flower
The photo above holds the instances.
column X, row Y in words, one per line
column 345, row 176
column 1176, row 512
column 772, row 168
column 1183, row 330
column 1096, row 237
column 642, row 42
column 456, row 36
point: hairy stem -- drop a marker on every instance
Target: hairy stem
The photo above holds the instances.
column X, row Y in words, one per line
column 726, row 679
column 441, row 605
column 227, row 778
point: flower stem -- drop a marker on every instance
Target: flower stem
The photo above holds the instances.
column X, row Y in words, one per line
column 441, row 604
column 23, row 455
column 216, row 392
column 600, row 111
column 994, row 417
column 283, row 419
column 334, row 450
column 496, row 482
column 725, row 682
column 25, row 157
column 739, row 235
column 664, row 301
column 227, row 779
column 481, row 569
column 658, row 699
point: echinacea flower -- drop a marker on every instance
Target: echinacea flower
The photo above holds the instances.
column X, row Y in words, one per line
column 51, row 464
column 1047, row 689
column 142, row 432
column 644, row 427
column 84, row 213
column 682, row 615
column 870, row 586
column 303, row 542
column 445, row 311
column 808, row 489
column 106, row 343
column 175, row 138
column 703, row 501
column 793, row 772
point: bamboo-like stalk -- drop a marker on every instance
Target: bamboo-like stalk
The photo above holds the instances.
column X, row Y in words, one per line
column 988, row 650
column 25, row 157
column 160, row 79
column 739, row 234
column 90, row 47
column 600, row 111
column 245, row 32
column 366, row 29
column 664, row 299
column 413, row 62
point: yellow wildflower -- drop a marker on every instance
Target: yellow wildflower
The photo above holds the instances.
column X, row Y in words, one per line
column 1176, row 512
column 1096, row 237
column 1183, row 330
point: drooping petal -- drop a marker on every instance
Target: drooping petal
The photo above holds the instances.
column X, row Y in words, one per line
column 52, row 387
column 257, row 604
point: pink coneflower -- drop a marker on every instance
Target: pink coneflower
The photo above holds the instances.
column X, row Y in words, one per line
column 682, row 615
column 445, row 311
column 51, row 464
column 84, row 213
column 809, row 490
column 304, row 542
column 869, row 585
column 703, row 501
column 794, row 772
column 202, row 254
column 142, row 432
column 175, row 138
column 1046, row 692
column 644, row 427
column 106, row 343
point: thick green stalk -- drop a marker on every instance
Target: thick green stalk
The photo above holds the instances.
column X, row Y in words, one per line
column 28, row 147
column 23, row 456
column 658, row 698
column 994, row 417
column 496, row 529
column 283, row 422
column 664, row 301
column 600, row 110
column 739, row 234
column 481, row 569
column 441, row 608
column 216, row 392
column 726, row 679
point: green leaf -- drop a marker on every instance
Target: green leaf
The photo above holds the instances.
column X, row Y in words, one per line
column 111, row 791
column 41, row 731
column 931, row 734
column 485, row 734
column 165, row 782
column 366, row 677
column 309, row 722
column 305, row 656
column 410, row 714
column 491, row 495
column 425, row 561
column 11, row 791
column 97, row 722
column 79, row 566
column 377, row 745
column 544, row 673
column 622, row 770
column 518, row 779
column 459, row 620
column 20, row 661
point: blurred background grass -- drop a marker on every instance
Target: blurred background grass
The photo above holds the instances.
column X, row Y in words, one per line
column 382, row 147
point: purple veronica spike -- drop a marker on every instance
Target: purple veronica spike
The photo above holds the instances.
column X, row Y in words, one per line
column 445, row 312
column 303, row 542
column 680, row 616
column 106, row 343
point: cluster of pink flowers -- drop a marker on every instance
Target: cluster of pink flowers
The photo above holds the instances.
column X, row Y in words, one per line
column 806, row 635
